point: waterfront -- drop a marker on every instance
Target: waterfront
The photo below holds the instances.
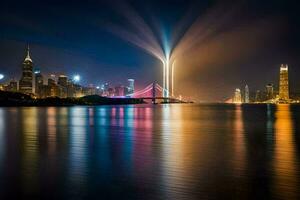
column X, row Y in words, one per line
column 177, row 151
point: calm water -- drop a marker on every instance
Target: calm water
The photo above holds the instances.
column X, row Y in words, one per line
column 150, row 152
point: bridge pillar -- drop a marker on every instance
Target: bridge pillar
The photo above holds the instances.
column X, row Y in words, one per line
column 153, row 92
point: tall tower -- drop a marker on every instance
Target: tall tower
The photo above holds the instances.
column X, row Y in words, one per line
column 25, row 84
column 237, row 96
column 284, row 83
column 247, row 94
column 258, row 96
column 130, row 86
column 270, row 91
column 39, row 82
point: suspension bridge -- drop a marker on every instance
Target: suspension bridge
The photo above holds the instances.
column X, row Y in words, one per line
column 154, row 92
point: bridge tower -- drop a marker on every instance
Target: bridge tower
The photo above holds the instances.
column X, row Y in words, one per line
column 153, row 92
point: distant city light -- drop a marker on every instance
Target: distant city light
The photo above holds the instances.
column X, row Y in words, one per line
column 97, row 87
column 76, row 78
column 1, row 76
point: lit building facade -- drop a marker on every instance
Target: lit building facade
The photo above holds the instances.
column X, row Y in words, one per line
column 247, row 94
column 269, row 91
column 284, row 83
column 90, row 90
column 237, row 96
column 25, row 84
column 70, row 89
column 258, row 98
column 111, row 92
column 52, row 87
column 39, row 82
column 62, row 80
column 119, row 90
column 62, row 83
column 12, row 86
column 130, row 86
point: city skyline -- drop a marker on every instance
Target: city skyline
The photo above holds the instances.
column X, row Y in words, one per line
column 32, row 82
column 31, row 78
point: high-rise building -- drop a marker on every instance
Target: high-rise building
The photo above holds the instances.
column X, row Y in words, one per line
column 25, row 84
column 269, row 91
column 62, row 80
column 258, row 96
column 111, row 92
column 62, row 86
column 237, row 96
column 90, row 90
column 105, row 88
column 12, row 86
column 51, row 82
column 284, row 83
column 247, row 94
column 52, row 87
column 70, row 89
column 119, row 90
column 130, row 86
column 77, row 90
column 39, row 82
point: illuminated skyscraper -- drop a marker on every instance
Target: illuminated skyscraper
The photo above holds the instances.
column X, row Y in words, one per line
column 62, row 86
column 119, row 90
column 90, row 90
column 39, row 82
column 13, row 86
column 130, row 86
column 284, row 83
column 25, row 84
column 258, row 96
column 269, row 91
column 237, row 96
column 62, row 80
column 246, row 94
column 70, row 89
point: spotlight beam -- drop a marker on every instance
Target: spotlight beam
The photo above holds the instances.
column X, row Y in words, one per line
column 172, row 77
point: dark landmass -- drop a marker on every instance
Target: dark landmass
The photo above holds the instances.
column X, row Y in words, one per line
column 19, row 99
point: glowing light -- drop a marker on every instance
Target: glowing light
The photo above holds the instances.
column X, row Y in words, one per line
column 1, row 76
column 76, row 78
column 167, row 77
column 37, row 71
column 285, row 155
column 172, row 77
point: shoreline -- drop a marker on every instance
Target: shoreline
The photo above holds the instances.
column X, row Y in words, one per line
column 16, row 99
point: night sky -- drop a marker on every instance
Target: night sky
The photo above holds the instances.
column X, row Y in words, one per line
column 244, row 42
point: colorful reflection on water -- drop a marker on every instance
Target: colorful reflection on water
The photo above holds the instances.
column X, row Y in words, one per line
column 150, row 152
column 286, row 164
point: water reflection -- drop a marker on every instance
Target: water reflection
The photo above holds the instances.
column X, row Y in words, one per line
column 78, row 151
column 127, row 134
column 239, row 142
column 270, row 123
column 30, row 155
column 285, row 161
column 150, row 152
column 179, row 146
column 52, row 126
column 102, row 153
column 142, row 152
